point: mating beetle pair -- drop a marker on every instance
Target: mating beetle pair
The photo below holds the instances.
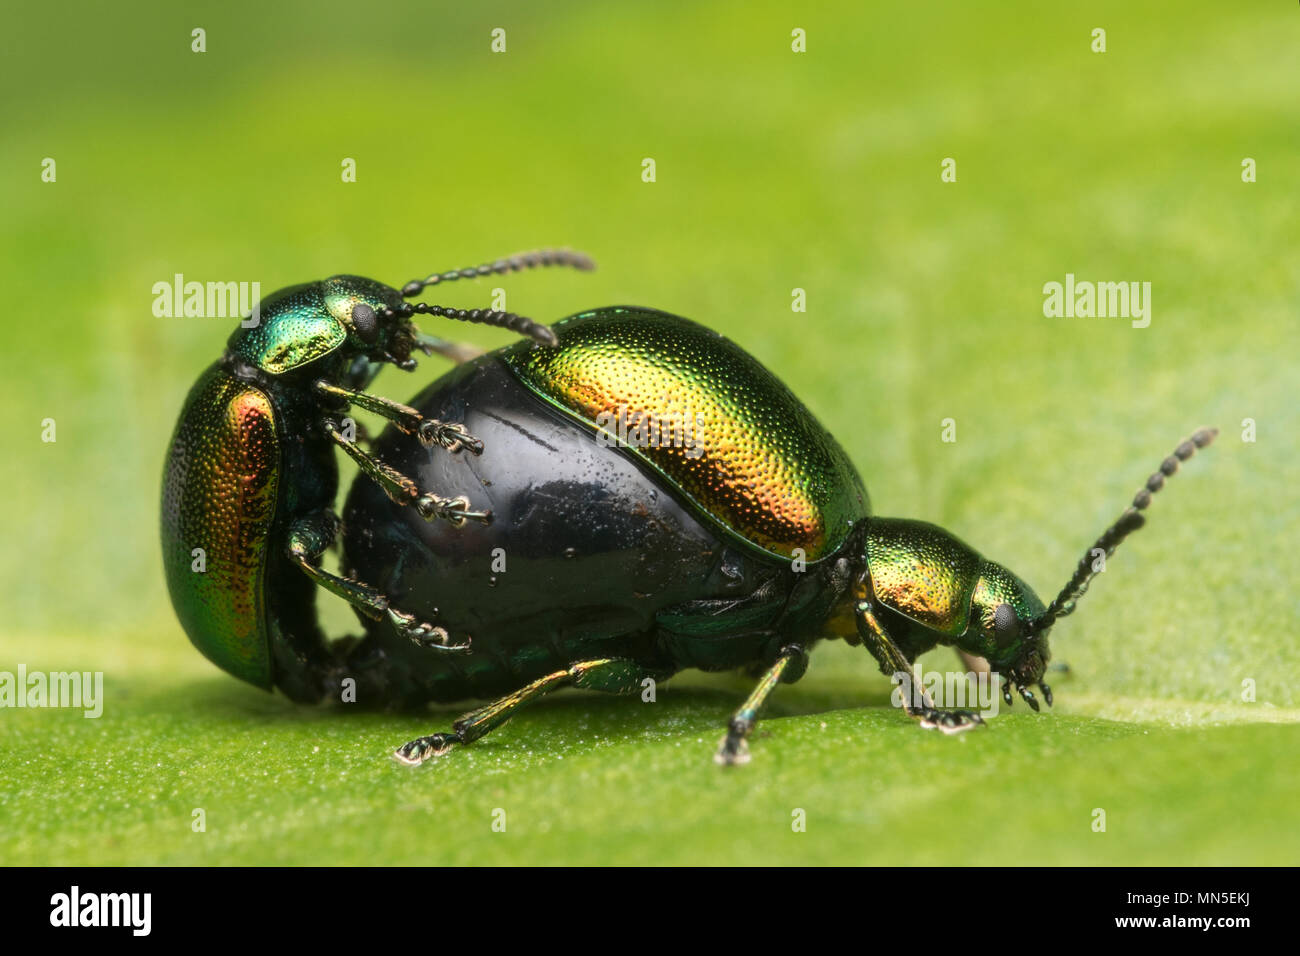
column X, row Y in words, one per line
column 618, row 498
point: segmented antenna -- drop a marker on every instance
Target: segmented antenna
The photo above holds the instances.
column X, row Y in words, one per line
column 515, row 263
column 1132, row 519
column 504, row 320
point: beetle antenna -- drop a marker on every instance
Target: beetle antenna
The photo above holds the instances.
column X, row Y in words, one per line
column 1132, row 519
column 504, row 320
column 515, row 263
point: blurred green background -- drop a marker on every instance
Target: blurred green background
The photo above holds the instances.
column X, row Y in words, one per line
column 775, row 170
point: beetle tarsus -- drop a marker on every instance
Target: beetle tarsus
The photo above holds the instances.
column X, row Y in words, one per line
column 456, row 510
column 421, row 749
column 949, row 721
column 425, row 635
column 451, row 436
column 733, row 750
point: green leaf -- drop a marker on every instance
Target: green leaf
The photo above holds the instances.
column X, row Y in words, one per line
column 776, row 171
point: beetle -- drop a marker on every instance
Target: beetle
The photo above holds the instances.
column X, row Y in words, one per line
column 654, row 499
column 250, row 477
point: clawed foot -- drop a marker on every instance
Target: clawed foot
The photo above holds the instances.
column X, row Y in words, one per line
column 426, row 635
column 732, row 753
column 449, row 435
column 733, row 750
column 949, row 721
column 456, row 510
column 422, row 748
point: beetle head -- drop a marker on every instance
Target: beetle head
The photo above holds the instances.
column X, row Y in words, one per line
column 1003, row 609
column 340, row 319
column 933, row 579
column 377, row 322
column 361, row 324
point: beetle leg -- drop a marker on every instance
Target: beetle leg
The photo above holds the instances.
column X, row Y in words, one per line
column 916, row 702
column 949, row 721
column 789, row 667
column 610, row 675
column 456, row 510
column 310, row 537
column 402, row 490
column 449, row 435
column 892, row 661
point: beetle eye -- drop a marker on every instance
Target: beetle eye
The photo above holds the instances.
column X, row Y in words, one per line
column 1004, row 620
column 365, row 322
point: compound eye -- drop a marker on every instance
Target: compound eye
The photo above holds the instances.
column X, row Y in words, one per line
column 1004, row 620
column 365, row 322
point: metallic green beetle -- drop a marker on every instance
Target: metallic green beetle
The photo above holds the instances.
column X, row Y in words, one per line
column 634, row 555
column 250, row 477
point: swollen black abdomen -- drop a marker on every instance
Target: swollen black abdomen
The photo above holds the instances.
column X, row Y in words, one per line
column 584, row 550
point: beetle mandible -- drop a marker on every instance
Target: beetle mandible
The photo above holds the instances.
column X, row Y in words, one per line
column 250, row 477
column 654, row 500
